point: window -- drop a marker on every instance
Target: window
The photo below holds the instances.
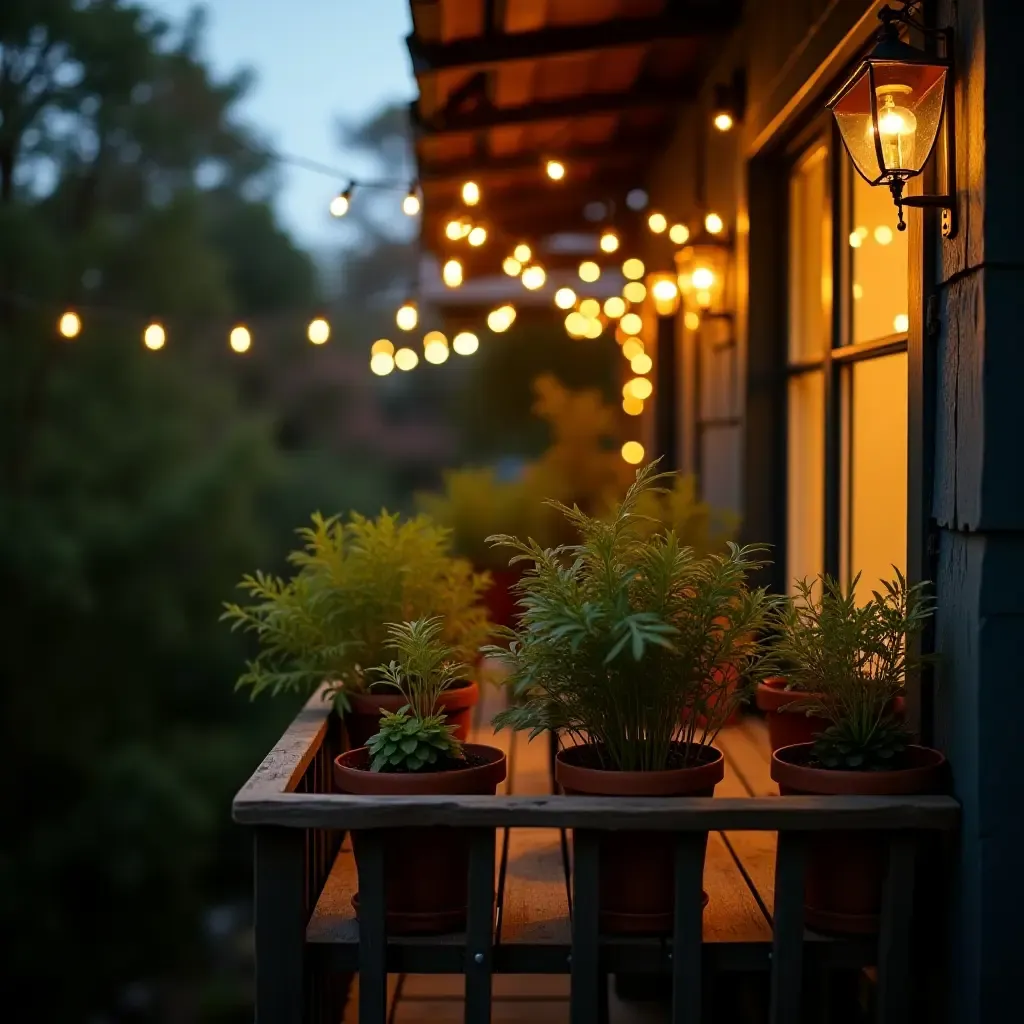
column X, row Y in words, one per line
column 846, row 384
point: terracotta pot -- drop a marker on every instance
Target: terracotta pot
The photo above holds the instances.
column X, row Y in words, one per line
column 786, row 728
column 500, row 599
column 731, row 676
column 425, row 869
column 845, row 869
column 637, row 879
column 363, row 720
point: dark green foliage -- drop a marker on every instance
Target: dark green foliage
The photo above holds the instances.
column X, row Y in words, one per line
column 845, row 747
column 406, row 743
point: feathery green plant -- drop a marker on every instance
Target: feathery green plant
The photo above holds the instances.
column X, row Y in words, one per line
column 327, row 622
column 627, row 640
column 851, row 660
column 416, row 735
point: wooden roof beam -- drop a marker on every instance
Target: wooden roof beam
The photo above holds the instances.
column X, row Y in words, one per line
column 483, row 52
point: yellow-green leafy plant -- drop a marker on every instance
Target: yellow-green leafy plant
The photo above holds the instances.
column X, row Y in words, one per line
column 851, row 660
column 327, row 622
column 416, row 737
column 630, row 641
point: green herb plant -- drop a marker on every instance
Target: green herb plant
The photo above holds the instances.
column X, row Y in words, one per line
column 851, row 660
column 629, row 640
column 416, row 736
column 327, row 623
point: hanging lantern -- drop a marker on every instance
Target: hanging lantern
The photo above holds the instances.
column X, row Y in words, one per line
column 890, row 110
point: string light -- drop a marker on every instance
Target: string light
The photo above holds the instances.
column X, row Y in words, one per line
column 565, row 298
column 638, row 387
column 154, row 337
column 341, row 202
column 883, row 234
column 631, row 323
column 657, row 223
column 240, row 339
column 713, row 224
column 632, row 347
column 477, row 236
column 576, row 324
column 511, row 266
column 679, row 233
column 318, row 331
column 522, row 252
column 589, row 271
column 471, row 193
column 465, row 343
column 534, row 277
column 633, row 269
column 555, row 170
column 590, row 308
column 407, row 316
column 382, row 363
column 498, row 320
column 614, row 307
column 901, row 323
column 382, row 347
column 641, row 363
column 70, row 325
column 609, row 241
column 435, row 347
column 593, row 328
column 635, row 292
column 632, row 406
column 406, row 359
column 451, row 274
column 691, row 320
column 411, row 203
column 723, row 121
column 633, row 453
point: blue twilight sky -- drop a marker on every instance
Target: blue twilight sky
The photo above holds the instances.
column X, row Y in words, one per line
column 316, row 61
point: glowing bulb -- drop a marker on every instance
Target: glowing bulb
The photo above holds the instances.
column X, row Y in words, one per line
column 590, row 308
column 633, row 269
column 240, row 340
column 576, row 325
column 453, row 230
column 897, row 127
column 691, row 320
column 609, row 241
column 555, row 170
column 638, row 387
column 723, row 121
column 664, row 290
column 589, row 271
column 411, row 204
column 632, row 406
column 858, row 290
column 382, row 364
column 498, row 320
column 341, row 203
column 633, row 453
column 471, row 193
column 883, row 234
column 631, row 323
column 154, row 337
column 70, row 325
column 855, row 240
column 679, row 233
column 632, row 347
column 435, row 347
column 382, row 347
column 407, row 316
column 534, row 277
column 614, row 307
column 465, row 343
column 901, row 323
column 565, row 298
column 406, row 359
column 702, row 278
column 452, row 274
column 318, row 331
column 641, row 363
column 593, row 328
column 477, row 236
column 511, row 266
column 634, row 291
column 522, row 252
column 657, row 223
column 713, row 224
column 509, row 310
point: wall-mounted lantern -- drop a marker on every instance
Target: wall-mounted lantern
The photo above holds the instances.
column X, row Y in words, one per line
column 664, row 292
column 729, row 102
column 702, row 266
column 890, row 110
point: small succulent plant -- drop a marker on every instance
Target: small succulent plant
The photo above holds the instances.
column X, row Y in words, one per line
column 406, row 743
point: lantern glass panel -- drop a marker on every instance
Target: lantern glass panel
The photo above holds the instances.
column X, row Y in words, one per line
column 910, row 101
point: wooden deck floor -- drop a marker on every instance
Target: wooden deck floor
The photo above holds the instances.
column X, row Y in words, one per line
column 739, row 878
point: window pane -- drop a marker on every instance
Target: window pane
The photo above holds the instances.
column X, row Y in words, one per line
column 810, row 273
column 721, row 458
column 878, row 465
column 805, row 525
column 881, row 258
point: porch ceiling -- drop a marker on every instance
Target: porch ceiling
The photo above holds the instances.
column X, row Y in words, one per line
column 506, row 84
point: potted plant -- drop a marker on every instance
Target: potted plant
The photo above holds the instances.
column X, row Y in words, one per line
column 622, row 648
column 786, row 712
column 327, row 622
column 415, row 752
column 850, row 661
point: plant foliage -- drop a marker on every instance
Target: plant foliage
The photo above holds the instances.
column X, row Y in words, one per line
column 328, row 621
column 631, row 641
column 416, row 736
column 851, row 661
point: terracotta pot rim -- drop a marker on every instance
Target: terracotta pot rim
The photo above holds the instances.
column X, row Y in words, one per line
column 462, row 694
column 352, row 777
column 922, row 775
column 667, row 782
column 770, row 695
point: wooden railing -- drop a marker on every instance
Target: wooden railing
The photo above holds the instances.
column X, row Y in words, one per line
column 308, row 940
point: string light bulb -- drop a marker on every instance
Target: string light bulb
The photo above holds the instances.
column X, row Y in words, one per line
column 565, row 298
column 638, row 387
column 555, row 170
column 657, row 223
column 382, row 363
column 576, row 324
column 411, row 203
column 691, row 320
column 477, row 236
column 154, row 337
column 631, row 324
column 723, row 121
column 406, row 359
column 641, row 363
column 633, row 453
column 498, row 320
column 70, row 325
column 511, row 266
column 522, row 252
column 632, row 406
column 614, row 307
column 609, row 241
column 382, row 347
column 534, row 277
column 590, row 308
column 679, row 233
column 240, row 339
column 451, row 273
column 465, row 343
column 407, row 316
column 435, row 347
column 453, row 230
column 632, row 347
column 593, row 328
column 634, row 291
column 633, row 269
column 341, row 202
column 318, row 331
column 471, row 193
column 713, row 224
column 589, row 271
